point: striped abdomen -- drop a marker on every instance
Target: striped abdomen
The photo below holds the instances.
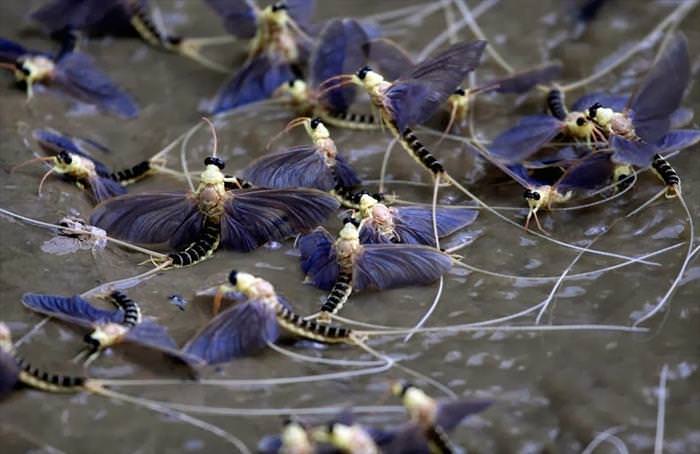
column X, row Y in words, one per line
column 132, row 312
column 555, row 103
column 419, row 152
column 143, row 24
column 339, row 294
column 438, row 440
column 665, row 171
column 132, row 174
column 310, row 329
column 45, row 381
column 350, row 120
column 200, row 249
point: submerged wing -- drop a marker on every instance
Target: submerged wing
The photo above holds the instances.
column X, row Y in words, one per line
column 239, row 16
column 524, row 81
column 450, row 414
column 414, row 224
column 638, row 154
column 256, row 81
column 252, row 217
column 589, row 173
column 54, row 142
column 661, row 91
column 382, row 266
column 318, row 259
column 293, row 168
column 678, row 140
column 78, row 76
column 525, row 138
column 614, row 102
column 150, row 218
column 72, row 309
column 9, row 373
column 415, row 98
column 241, row 330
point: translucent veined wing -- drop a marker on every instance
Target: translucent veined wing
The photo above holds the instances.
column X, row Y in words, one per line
column 238, row 331
column 154, row 336
column 558, row 157
column 662, row 90
column 239, row 16
column 634, row 153
column 525, row 138
column 301, row 11
column 450, row 414
column 414, row 224
column 318, row 258
column 388, row 58
column 10, row 51
column 370, row 234
column 102, row 189
column 382, row 266
column 93, row 16
column 339, row 51
column 678, row 140
column 72, row 309
column 521, row 175
column 409, row 438
column 150, row 218
column 524, row 81
column 256, row 81
column 292, row 168
column 614, row 102
column 78, row 76
column 9, row 373
column 54, row 142
column 415, row 98
column 252, row 217
column 681, row 118
column 592, row 172
column 344, row 174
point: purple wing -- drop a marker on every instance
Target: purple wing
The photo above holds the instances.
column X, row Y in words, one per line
column 525, row 138
column 524, row 81
column 339, row 51
column 239, row 16
column 102, row 189
column 414, row 99
column 270, row 444
column 681, row 117
column 154, row 336
column 450, row 414
column 637, row 154
column 256, row 81
column 10, row 51
column 383, row 266
column 241, row 330
column 97, row 17
column 253, row 217
column 614, row 102
column 54, row 142
column 77, row 75
column 415, row 224
column 9, row 373
column 678, row 140
column 661, row 91
column 156, row 218
column 344, row 174
column 590, row 173
column 408, row 438
column 301, row 11
column 390, row 59
column 318, row 259
column 559, row 157
column 369, row 234
column 72, row 309
column 296, row 167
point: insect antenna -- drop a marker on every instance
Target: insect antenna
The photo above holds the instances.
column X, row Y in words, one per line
column 31, row 161
column 291, row 125
column 212, row 128
column 41, row 183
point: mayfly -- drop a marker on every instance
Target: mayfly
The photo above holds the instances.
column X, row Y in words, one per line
column 343, row 265
column 434, row 418
column 295, row 437
column 71, row 72
column 108, row 328
column 120, row 18
column 319, row 166
column 71, row 159
column 408, row 224
column 215, row 212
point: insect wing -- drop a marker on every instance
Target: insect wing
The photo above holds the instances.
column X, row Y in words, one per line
column 150, row 218
column 72, row 309
column 296, row 167
column 99, row 17
column 415, row 224
column 591, row 172
column 614, row 102
column 524, row 81
column 239, row 331
column 408, row 438
column 102, row 189
column 77, row 74
column 301, row 11
column 54, row 142
column 661, row 91
column 390, row 59
column 559, row 157
column 637, row 154
column 450, row 414
column 239, row 16
column 10, row 51
column 525, row 138
column 414, row 99
column 318, row 258
column 252, row 217
column 383, row 266
column 678, row 140
column 9, row 373
column 256, row 81
column 344, row 174
column 154, row 336
column 681, row 117
column 270, row 444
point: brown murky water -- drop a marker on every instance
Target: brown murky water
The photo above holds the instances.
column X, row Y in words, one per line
column 553, row 392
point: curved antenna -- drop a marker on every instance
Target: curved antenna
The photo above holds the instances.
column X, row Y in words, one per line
column 30, row 161
column 291, row 125
column 41, row 183
column 212, row 128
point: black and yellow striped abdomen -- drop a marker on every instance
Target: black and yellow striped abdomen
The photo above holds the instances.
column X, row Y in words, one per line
column 310, row 329
column 199, row 250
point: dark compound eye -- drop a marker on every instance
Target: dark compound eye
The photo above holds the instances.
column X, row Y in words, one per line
column 65, row 157
column 91, row 341
column 362, row 73
column 358, row 195
column 350, row 220
column 460, row 92
column 580, row 121
column 315, row 122
column 291, row 83
column 233, row 277
column 279, row 6
column 593, row 110
column 378, row 196
column 216, row 161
